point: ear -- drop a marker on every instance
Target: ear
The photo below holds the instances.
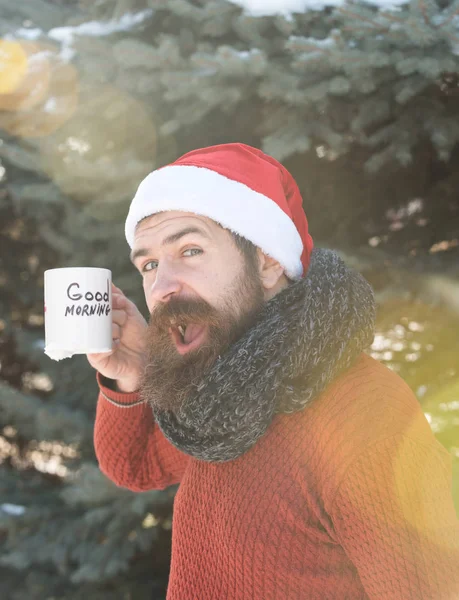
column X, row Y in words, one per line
column 271, row 272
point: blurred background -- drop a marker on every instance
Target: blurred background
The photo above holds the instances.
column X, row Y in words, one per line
column 360, row 100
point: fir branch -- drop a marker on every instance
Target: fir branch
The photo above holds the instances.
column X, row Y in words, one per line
column 357, row 17
column 450, row 18
column 423, row 9
column 391, row 17
column 452, row 37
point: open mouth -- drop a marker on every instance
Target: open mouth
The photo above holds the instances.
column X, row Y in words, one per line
column 188, row 337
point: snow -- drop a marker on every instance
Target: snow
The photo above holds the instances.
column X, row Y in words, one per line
column 66, row 35
column 247, row 54
column 50, row 105
column 26, row 34
column 98, row 28
column 260, row 8
column 387, row 4
column 317, row 43
column 12, row 509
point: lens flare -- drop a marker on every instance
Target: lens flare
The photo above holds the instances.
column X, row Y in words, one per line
column 13, row 65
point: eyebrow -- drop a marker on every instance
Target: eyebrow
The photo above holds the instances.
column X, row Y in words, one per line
column 171, row 239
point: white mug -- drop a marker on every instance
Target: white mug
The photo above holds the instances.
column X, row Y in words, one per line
column 78, row 311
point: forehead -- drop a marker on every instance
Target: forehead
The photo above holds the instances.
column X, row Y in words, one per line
column 162, row 224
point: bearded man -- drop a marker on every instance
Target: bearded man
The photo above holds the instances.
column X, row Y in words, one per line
column 307, row 469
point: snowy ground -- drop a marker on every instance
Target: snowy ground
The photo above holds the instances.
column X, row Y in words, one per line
column 272, row 7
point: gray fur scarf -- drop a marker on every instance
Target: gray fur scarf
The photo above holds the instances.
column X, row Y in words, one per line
column 306, row 335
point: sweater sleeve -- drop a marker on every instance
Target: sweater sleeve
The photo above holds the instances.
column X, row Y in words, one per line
column 394, row 516
column 130, row 447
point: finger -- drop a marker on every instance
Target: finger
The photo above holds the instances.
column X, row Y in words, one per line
column 116, row 289
column 99, row 359
column 116, row 332
column 99, row 355
column 119, row 317
column 118, row 301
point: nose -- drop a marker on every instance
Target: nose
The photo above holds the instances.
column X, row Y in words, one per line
column 163, row 286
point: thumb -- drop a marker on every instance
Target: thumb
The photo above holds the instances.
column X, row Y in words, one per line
column 98, row 359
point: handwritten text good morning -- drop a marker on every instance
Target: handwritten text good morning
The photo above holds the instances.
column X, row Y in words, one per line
column 95, row 303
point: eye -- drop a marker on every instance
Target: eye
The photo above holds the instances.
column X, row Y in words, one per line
column 192, row 252
column 149, row 266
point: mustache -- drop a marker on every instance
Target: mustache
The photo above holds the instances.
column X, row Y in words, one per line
column 183, row 311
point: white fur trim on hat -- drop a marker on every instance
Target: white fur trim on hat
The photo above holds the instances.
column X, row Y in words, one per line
column 232, row 204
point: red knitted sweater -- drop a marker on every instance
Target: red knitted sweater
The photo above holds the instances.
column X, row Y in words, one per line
column 348, row 499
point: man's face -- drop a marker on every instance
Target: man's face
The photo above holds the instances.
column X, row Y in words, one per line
column 202, row 295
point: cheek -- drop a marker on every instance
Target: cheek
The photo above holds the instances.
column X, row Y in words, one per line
column 225, row 290
column 146, row 292
column 216, row 280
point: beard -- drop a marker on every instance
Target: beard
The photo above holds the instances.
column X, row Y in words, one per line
column 169, row 376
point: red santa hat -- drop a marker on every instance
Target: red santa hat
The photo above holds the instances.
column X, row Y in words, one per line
column 239, row 187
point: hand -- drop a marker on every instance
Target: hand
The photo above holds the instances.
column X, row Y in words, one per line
column 126, row 361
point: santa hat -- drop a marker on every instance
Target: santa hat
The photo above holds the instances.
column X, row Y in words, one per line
column 239, row 187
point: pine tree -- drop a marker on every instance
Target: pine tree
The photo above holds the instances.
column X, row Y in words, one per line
column 146, row 80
